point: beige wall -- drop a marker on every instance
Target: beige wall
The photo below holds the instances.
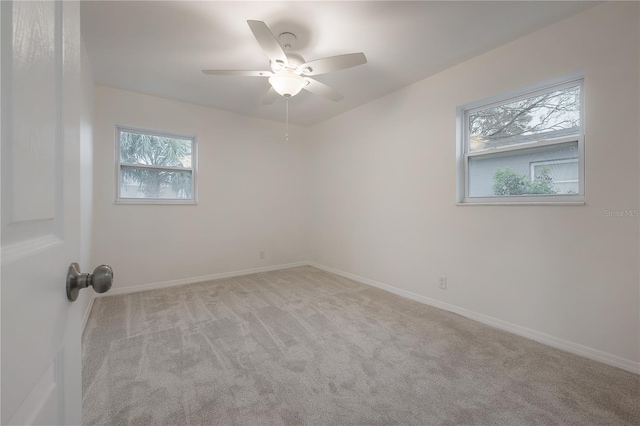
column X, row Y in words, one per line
column 383, row 193
column 252, row 194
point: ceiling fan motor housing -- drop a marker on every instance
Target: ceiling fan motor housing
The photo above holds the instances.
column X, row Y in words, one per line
column 295, row 61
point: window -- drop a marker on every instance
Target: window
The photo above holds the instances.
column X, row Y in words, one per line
column 155, row 167
column 523, row 147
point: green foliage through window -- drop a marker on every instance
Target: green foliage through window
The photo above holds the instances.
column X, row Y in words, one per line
column 138, row 150
column 508, row 182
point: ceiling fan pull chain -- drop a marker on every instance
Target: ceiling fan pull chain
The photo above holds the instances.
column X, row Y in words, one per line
column 287, row 129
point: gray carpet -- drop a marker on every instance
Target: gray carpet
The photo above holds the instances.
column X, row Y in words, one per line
column 303, row 346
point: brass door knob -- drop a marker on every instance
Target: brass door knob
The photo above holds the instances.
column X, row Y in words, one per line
column 101, row 280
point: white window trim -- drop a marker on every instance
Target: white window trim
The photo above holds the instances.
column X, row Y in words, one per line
column 463, row 153
column 193, row 169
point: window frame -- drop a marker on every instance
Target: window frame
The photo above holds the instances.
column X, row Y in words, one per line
column 463, row 152
column 193, row 169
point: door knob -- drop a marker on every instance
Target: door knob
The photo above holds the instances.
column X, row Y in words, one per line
column 100, row 280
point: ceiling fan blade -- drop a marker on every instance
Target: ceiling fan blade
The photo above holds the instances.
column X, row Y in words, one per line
column 270, row 97
column 333, row 63
column 322, row 89
column 268, row 42
column 238, row 72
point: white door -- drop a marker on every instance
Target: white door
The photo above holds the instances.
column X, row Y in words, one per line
column 40, row 121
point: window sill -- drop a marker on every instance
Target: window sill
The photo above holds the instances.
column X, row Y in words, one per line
column 155, row 202
column 521, row 203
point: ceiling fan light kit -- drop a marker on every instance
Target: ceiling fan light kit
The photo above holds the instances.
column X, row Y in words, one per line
column 287, row 83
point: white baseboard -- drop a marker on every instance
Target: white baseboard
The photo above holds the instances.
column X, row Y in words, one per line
column 193, row 280
column 556, row 342
column 87, row 312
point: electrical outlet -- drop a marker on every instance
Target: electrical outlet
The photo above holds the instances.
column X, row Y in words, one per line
column 261, row 255
column 443, row 283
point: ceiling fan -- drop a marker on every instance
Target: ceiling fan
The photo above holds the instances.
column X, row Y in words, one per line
column 289, row 71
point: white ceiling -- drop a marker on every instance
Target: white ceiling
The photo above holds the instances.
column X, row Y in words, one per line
column 160, row 47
